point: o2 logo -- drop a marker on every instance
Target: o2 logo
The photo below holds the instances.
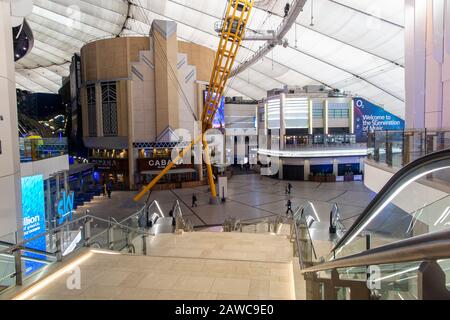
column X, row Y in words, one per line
column 374, row 279
column 65, row 207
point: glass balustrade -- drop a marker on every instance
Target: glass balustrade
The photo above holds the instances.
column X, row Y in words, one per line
column 20, row 262
column 418, row 204
column 396, row 149
column 37, row 148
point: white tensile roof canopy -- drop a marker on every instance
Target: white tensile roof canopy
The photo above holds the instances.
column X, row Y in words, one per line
column 352, row 45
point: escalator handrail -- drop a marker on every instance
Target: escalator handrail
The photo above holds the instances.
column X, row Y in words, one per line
column 427, row 247
column 390, row 186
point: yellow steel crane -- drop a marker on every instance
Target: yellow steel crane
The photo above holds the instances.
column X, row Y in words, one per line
column 231, row 36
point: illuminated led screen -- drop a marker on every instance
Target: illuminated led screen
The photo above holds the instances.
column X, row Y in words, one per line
column 33, row 215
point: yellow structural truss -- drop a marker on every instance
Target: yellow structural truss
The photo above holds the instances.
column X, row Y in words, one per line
column 233, row 31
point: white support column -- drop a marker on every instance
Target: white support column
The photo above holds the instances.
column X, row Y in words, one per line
column 415, row 62
column 351, row 119
column 335, row 167
column 311, row 117
column 325, row 118
column 282, row 121
column 307, row 169
column 266, row 118
column 361, row 164
column 10, row 177
column 241, row 149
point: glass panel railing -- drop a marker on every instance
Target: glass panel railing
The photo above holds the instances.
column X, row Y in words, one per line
column 20, row 261
column 37, row 148
column 392, row 281
column 8, row 239
column 398, row 148
column 388, row 282
column 415, row 202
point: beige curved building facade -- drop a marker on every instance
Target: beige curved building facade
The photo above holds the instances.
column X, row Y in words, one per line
column 136, row 92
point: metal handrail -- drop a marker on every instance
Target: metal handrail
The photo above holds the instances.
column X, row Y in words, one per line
column 299, row 250
column 22, row 244
column 30, row 250
column 421, row 248
column 25, row 258
column 301, row 211
column 310, row 238
column 134, row 214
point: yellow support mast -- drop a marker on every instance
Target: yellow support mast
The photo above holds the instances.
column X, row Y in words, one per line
column 233, row 31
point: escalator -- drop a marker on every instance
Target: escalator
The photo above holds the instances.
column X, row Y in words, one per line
column 415, row 201
column 401, row 234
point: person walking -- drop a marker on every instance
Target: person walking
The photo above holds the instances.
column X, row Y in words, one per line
column 194, row 200
column 104, row 190
column 289, row 188
column 289, row 207
column 109, row 189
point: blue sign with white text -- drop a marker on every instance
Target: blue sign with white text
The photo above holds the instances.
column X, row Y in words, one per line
column 370, row 117
column 33, row 215
column 65, row 207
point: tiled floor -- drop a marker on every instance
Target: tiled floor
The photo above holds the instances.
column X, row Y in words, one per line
column 229, row 266
column 250, row 197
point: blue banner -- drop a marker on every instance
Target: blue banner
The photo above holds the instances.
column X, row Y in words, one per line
column 370, row 117
column 33, row 215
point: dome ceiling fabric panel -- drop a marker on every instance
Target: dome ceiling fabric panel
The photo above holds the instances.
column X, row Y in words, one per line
column 351, row 45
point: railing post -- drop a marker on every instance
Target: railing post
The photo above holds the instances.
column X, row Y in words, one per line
column 59, row 240
column 111, row 237
column 405, row 148
column 87, row 231
column 144, row 244
column 128, row 238
column 425, row 142
column 330, row 289
column 18, row 266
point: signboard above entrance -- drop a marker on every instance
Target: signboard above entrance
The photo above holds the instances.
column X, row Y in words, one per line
column 158, row 164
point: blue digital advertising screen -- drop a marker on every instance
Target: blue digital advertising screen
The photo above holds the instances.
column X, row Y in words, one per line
column 33, row 215
column 219, row 119
column 370, row 117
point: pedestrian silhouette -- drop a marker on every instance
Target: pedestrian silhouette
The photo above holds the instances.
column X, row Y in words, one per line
column 194, row 201
column 289, row 207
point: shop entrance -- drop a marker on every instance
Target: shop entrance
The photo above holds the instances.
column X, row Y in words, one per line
column 294, row 173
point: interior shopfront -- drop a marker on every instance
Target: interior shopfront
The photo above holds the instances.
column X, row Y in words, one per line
column 112, row 166
column 152, row 161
